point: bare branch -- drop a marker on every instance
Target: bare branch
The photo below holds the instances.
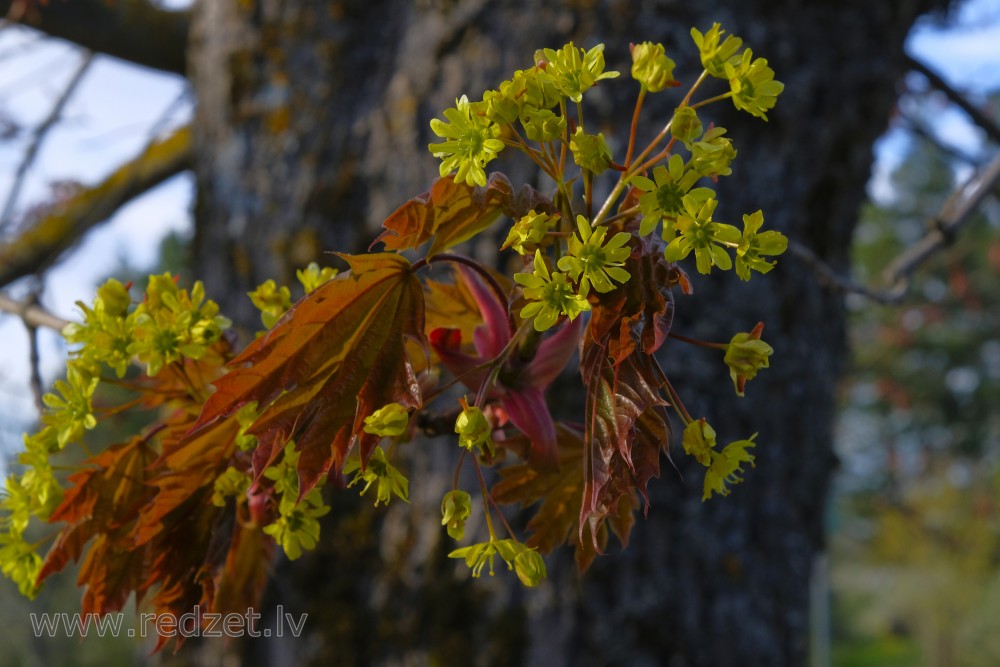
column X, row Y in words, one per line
column 41, row 244
column 829, row 278
column 133, row 30
column 978, row 117
column 956, row 212
column 39, row 137
column 920, row 129
column 35, row 363
column 33, row 315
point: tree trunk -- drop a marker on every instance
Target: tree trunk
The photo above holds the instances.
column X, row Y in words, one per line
column 312, row 127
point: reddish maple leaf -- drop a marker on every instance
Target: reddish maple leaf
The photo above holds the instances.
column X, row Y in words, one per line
column 520, row 386
column 332, row 360
column 453, row 212
column 627, row 425
column 106, row 497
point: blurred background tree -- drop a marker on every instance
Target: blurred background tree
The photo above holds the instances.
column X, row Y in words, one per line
column 917, row 543
column 311, row 126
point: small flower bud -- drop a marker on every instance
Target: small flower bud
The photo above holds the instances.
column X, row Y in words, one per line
column 699, row 441
column 686, row 126
column 530, row 567
column 652, row 68
column 112, row 298
column 473, row 429
column 389, row 420
column 590, row 151
column 746, row 355
column 456, row 507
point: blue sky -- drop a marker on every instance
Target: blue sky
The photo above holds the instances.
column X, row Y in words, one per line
column 118, row 108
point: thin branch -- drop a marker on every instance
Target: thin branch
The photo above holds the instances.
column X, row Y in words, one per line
column 978, row 117
column 34, row 357
column 921, row 130
column 39, row 137
column 829, row 278
column 33, row 314
column 133, row 30
column 944, row 227
column 957, row 211
column 44, row 241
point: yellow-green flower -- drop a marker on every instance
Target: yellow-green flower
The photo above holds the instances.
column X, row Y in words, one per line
column 470, row 141
column 685, row 126
column 387, row 479
column 456, row 508
column 725, row 466
column 232, row 483
column 272, row 302
column 754, row 244
column 501, row 109
column 652, row 68
column 590, row 151
column 285, row 476
column 297, row 528
column 714, row 55
column 574, row 70
column 698, row 232
column 712, row 154
column 171, row 323
column 529, row 231
column 543, row 124
column 473, row 429
column 551, row 295
column 752, row 83
column 106, row 332
column 38, row 481
column 590, row 262
column 70, row 413
column 20, row 563
column 388, row 421
column 699, row 441
column 313, row 276
column 529, row 90
column 663, row 194
column 530, row 569
column 246, row 416
column 745, row 355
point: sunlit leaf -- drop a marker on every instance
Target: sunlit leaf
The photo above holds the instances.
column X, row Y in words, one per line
column 331, row 361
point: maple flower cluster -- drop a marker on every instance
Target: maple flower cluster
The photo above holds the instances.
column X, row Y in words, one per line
column 168, row 325
column 569, row 271
column 341, row 399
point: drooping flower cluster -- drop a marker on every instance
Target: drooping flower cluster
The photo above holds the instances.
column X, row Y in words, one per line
column 723, row 467
column 169, row 325
column 297, row 526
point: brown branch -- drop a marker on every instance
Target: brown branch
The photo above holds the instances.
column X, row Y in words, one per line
column 961, row 101
column 39, row 137
column 829, row 278
column 133, row 30
column 44, row 241
column 956, row 212
column 34, row 316
column 921, row 130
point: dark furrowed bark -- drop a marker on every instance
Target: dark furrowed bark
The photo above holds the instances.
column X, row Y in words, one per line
column 312, row 127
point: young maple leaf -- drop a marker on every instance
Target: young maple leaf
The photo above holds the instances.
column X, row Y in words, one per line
column 523, row 397
column 334, row 359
